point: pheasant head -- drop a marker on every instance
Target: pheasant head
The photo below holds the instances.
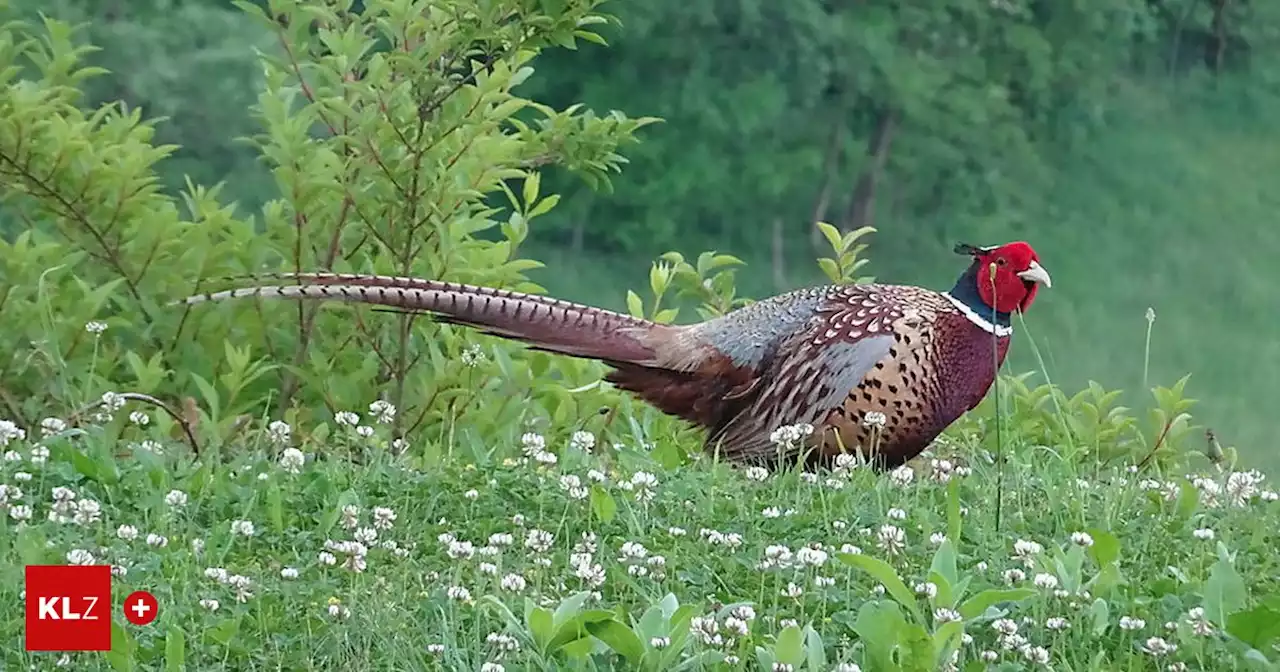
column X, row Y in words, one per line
column 1005, row 277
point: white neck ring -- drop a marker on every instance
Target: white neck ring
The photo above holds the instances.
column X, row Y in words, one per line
column 982, row 322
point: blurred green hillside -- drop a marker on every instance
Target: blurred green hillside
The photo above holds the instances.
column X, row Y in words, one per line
column 1133, row 142
column 1172, row 206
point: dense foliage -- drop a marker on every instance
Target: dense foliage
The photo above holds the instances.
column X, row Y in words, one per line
column 223, row 457
column 1131, row 141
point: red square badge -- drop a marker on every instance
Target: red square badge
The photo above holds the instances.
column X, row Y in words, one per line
column 68, row 607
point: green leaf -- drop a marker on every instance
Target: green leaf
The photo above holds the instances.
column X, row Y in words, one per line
column 1106, row 547
column 1257, row 627
column 618, row 637
column 953, row 510
column 1101, row 612
column 121, row 655
column 1224, row 592
column 175, row 650
column 602, row 504
column 570, row 607
column 879, row 625
column 882, row 572
column 790, row 646
column 978, row 604
column 817, row 652
column 275, row 507
column 541, row 626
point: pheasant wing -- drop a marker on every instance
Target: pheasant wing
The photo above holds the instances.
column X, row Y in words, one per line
column 816, row 367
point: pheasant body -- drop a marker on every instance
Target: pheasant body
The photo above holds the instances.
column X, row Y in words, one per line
column 827, row 356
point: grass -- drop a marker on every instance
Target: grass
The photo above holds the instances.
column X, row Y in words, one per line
column 360, row 560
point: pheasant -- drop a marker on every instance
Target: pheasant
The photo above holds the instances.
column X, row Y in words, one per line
column 879, row 368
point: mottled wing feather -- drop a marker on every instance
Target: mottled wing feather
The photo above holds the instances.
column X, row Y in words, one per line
column 816, row 367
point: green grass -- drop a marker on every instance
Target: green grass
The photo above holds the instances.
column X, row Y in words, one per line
column 711, row 524
column 1173, row 206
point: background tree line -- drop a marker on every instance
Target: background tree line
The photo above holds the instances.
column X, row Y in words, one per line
column 1128, row 139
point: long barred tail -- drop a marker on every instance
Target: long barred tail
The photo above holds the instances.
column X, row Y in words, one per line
column 545, row 323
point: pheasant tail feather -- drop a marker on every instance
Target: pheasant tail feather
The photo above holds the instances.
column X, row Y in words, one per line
column 544, row 323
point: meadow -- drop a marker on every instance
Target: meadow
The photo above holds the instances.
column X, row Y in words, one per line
column 328, row 548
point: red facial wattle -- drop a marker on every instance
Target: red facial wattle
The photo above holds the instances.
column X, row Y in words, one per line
column 1016, row 278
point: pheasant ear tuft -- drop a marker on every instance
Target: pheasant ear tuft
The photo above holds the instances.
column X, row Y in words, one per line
column 965, row 249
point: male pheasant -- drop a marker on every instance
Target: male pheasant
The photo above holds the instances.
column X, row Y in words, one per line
column 828, row 356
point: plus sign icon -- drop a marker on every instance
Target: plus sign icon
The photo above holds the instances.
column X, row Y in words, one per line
column 141, row 607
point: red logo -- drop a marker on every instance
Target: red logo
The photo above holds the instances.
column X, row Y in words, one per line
column 68, row 607
column 141, row 607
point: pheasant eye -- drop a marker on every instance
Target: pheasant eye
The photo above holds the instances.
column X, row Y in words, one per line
column 1001, row 261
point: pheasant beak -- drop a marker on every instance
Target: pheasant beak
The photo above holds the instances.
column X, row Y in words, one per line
column 1036, row 273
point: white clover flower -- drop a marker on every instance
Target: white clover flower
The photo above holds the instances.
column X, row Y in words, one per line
column 279, row 432
column 95, row 327
column 1129, row 623
column 176, row 498
column 1036, row 654
column 461, row 550
column 583, row 441
column 157, row 541
column 346, row 418
column 350, row 516
column 209, row 604
column 1057, row 623
column 10, row 432
column 51, row 426
column 383, row 518
column 891, row 539
column 21, row 512
column 514, row 583
column 79, row 556
column 140, row 418
column 473, row 355
column 288, row 573
column 87, row 512
column 1048, row 581
column 660, row 642
column 787, row 436
column 39, row 455
column 814, row 557
column 327, row 558
column 1015, row 575
column 874, row 419
column 384, row 412
column 538, row 541
column 943, row 615
column 364, row 431
column 292, row 460
column 243, row 528
column 1203, row 534
column 643, row 485
column 217, row 574
column 928, row 588
column 532, row 443
column 1081, row 539
column 365, row 535
column 1157, row 646
column 757, row 473
column 435, row 649
column 897, row 514
column 12, row 456
column 22, row 476
column 902, row 476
